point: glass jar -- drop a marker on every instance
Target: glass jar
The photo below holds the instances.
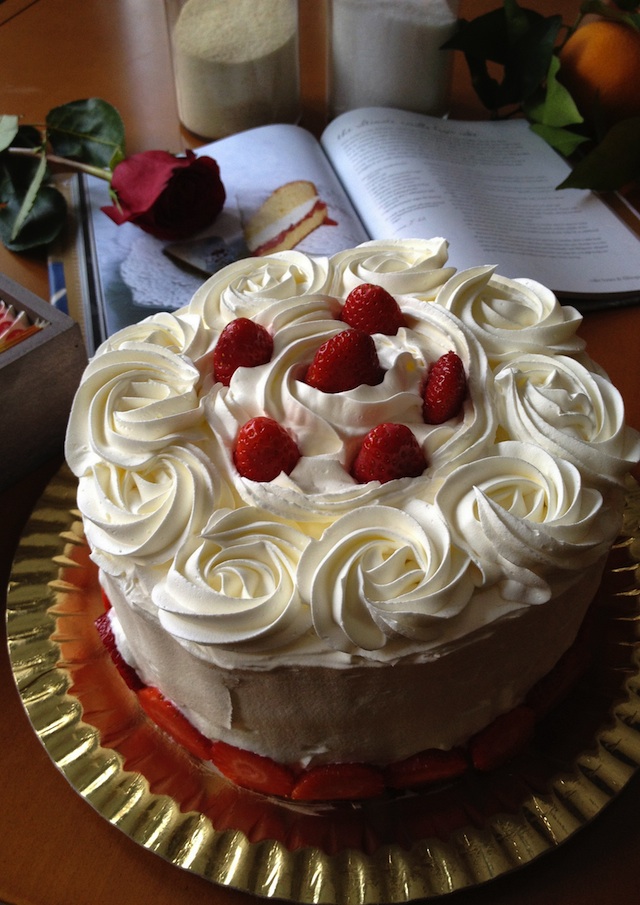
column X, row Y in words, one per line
column 235, row 63
column 386, row 53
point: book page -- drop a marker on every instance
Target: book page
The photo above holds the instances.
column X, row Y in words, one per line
column 253, row 164
column 132, row 276
column 488, row 187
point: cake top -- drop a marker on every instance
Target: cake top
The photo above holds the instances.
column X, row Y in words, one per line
column 489, row 504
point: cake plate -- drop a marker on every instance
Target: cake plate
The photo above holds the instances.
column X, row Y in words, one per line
column 393, row 849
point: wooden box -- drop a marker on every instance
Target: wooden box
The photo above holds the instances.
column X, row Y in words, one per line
column 38, row 380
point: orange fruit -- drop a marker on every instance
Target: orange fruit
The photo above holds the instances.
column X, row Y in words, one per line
column 600, row 66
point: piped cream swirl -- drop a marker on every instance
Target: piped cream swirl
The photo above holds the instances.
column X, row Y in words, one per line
column 402, row 266
column 526, row 519
column 132, row 403
column 572, row 411
column 379, row 573
column 510, row 317
column 243, row 288
column 237, row 585
column 144, row 515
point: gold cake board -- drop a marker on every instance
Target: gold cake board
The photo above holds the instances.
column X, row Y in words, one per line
column 394, row 849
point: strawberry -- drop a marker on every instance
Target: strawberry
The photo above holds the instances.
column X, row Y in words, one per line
column 371, row 308
column 502, row 739
column 128, row 673
column 167, row 716
column 264, row 449
column 347, row 360
column 242, row 344
column 252, row 771
column 445, row 389
column 388, row 451
column 330, row 782
column 430, row 766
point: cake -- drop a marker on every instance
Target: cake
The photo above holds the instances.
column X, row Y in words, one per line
column 289, row 214
column 381, row 607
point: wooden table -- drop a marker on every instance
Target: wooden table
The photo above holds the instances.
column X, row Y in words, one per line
column 54, row 849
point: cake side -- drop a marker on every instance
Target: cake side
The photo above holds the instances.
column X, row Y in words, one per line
column 358, row 712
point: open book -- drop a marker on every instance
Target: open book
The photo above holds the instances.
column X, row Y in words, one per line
column 487, row 187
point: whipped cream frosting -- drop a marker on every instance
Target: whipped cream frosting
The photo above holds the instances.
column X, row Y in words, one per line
column 521, row 491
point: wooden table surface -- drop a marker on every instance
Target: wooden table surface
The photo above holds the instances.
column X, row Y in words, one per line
column 54, row 849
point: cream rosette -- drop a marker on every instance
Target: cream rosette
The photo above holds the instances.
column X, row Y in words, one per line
column 131, row 403
column 236, row 586
column 402, row 267
column 379, row 574
column 144, row 515
column 525, row 518
column 570, row 410
column 178, row 332
column 243, row 288
column 510, row 317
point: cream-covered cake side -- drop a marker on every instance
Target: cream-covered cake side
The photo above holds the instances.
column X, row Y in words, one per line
column 401, row 602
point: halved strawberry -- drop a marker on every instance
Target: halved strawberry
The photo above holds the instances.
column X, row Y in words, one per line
column 430, row 766
column 332, row 782
column 252, row 771
column 128, row 673
column 445, row 389
column 347, row 360
column 264, row 449
column 167, row 716
column 371, row 308
column 502, row 739
column 388, row 451
column 242, row 343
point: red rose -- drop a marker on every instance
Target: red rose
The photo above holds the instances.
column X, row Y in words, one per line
column 167, row 196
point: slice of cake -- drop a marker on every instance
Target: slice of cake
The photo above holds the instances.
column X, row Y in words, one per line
column 350, row 513
column 289, row 214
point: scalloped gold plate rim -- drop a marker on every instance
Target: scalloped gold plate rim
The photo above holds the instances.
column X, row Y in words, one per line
column 524, row 824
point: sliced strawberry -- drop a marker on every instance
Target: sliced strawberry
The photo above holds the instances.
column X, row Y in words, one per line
column 347, row 360
column 502, row 739
column 388, row 451
column 445, row 389
column 328, row 782
column 242, row 343
column 252, row 771
column 430, row 766
column 105, row 599
column 167, row 716
column 128, row 673
column 371, row 308
column 264, row 449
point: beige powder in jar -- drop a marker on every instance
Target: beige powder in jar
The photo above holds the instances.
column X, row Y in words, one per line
column 236, row 64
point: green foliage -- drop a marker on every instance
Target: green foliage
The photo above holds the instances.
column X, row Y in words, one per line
column 613, row 163
column 521, row 41
column 86, row 134
column 90, row 130
column 523, row 47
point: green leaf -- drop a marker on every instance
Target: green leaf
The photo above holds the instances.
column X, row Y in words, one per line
column 520, row 40
column 30, row 198
column 554, row 106
column 562, row 140
column 8, row 130
column 613, row 163
column 90, row 131
column 44, row 222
